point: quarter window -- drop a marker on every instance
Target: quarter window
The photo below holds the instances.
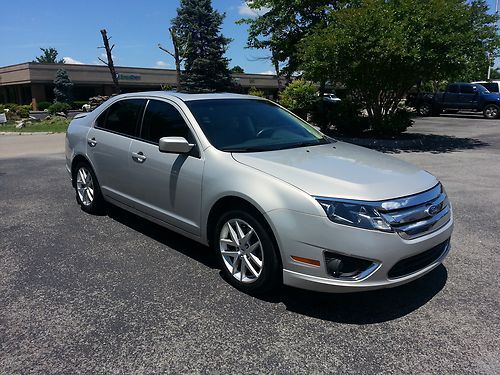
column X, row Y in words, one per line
column 163, row 120
column 122, row 117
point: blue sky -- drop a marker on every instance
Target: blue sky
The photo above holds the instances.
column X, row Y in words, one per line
column 72, row 27
column 136, row 27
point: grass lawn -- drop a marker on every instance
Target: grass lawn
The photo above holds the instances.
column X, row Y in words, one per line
column 55, row 125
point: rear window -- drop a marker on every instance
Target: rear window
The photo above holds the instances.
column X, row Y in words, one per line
column 490, row 86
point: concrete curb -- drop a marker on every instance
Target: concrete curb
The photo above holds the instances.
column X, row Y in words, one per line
column 30, row 133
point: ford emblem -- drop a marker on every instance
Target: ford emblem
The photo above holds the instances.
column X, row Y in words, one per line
column 432, row 210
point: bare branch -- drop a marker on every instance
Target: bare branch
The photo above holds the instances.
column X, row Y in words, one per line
column 166, row 50
column 101, row 60
column 113, row 46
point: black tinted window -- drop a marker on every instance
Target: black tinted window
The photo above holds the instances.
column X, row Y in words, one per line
column 467, row 89
column 453, row 88
column 490, row 86
column 122, row 117
column 163, row 120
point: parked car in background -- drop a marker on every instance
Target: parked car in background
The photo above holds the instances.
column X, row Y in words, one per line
column 458, row 96
column 331, row 98
column 491, row 86
column 276, row 199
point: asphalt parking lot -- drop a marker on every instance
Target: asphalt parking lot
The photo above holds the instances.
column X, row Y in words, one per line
column 117, row 294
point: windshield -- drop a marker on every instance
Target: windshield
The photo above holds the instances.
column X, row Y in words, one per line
column 249, row 125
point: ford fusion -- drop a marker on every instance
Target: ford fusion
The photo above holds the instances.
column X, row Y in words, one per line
column 278, row 201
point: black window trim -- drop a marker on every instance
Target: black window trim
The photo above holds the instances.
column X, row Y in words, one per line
column 138, row 125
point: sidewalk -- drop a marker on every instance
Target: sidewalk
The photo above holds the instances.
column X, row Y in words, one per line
column 31, row 145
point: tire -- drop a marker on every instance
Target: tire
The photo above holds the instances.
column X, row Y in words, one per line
column 491, row 111
column 424, row 109
column 87, row 189
column 240, row 264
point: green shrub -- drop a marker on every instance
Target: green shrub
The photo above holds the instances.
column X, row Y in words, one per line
column 42, row 106
column 256, row 92
column 394, row 123
column 299, row 97
column 59, row 107
column 23, row 111
column 346, row 117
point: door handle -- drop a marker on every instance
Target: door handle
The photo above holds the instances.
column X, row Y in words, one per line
column 139, row 157
column 92, row 142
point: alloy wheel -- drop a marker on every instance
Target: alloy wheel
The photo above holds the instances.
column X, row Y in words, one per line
column 241, row 250
column 491, row 111
column 84, row 186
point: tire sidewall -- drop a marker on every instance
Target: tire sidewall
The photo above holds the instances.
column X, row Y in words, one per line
column 491, row 105
column 270, row 276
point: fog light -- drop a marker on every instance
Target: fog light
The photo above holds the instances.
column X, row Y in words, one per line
column 345, row 267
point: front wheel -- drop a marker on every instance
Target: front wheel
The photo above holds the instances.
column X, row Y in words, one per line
column 246, row 252
column 491, row 111
column 424, row 109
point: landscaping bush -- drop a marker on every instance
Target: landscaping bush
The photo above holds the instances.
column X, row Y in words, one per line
column 256, row 92
column 299, row 97
column 394, row 123
column 15, row 111
column 42, row 106
column 23, row 111
column 346, row 117
column 59, row 107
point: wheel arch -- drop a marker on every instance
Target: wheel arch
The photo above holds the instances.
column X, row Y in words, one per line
column 229, row 202
column 78, row 159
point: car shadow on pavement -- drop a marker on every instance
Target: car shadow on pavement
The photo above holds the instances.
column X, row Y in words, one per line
column 417, row 142
column 167, row 237
column 364, row 307
column 352, row 308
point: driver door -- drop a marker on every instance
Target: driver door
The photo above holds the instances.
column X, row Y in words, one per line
column 166, row 186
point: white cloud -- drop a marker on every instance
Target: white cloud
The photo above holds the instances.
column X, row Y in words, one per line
column 268, row 72
column 161, row 64
column 245, row 10
column 70, row 60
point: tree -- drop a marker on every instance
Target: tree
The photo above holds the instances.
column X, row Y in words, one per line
column 300, row 96
column 49, row 56
column 63, row 87
column 205, row 68
column 109, row 62
column 379, row 49
column 179, row 54
column 237, row 69
column 283, row 26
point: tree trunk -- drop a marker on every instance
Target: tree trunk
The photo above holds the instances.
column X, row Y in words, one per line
column 111, row 66
column 177, row 58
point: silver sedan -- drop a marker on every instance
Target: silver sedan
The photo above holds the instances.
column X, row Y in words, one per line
column 277, row 200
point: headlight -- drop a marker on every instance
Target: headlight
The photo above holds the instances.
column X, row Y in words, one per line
column 354, row 214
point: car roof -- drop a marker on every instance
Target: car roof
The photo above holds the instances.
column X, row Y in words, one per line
column 189, row 97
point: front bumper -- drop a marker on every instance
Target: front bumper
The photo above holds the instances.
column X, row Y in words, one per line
column 309, row 236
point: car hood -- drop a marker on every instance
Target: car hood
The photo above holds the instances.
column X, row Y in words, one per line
column 341, row 170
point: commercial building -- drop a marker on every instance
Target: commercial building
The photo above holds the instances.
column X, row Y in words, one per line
column 22, row 83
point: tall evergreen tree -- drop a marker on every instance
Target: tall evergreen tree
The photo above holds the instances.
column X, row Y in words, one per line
column 49, row 56
column 63, row 87
column 198, row 26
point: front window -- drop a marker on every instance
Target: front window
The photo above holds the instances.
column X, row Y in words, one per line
column 250, row 125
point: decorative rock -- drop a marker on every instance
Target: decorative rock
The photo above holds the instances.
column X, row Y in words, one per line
column 62, row 114
column 20, row 124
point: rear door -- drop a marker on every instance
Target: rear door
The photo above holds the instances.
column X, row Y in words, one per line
column 166, row 186
column 468, row 96
column 109, row 143
column 451, row 98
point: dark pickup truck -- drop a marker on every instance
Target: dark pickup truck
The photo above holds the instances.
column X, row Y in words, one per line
column 458, row 97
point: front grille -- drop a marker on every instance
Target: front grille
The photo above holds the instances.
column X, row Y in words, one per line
column 417, row 215
column 417, row 262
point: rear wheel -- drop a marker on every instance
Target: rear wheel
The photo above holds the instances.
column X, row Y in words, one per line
column 246, row 252
column 424, row 109
column 88, row 192
column 491, row 111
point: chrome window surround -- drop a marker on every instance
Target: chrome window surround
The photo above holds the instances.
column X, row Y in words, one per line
column 410, row 216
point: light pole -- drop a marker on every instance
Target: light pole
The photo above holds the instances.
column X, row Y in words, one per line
column 489, row 55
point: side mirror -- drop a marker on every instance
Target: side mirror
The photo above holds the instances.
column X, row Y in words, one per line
column 174, row 145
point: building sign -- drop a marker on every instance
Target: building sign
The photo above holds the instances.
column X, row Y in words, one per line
column 128, row 76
